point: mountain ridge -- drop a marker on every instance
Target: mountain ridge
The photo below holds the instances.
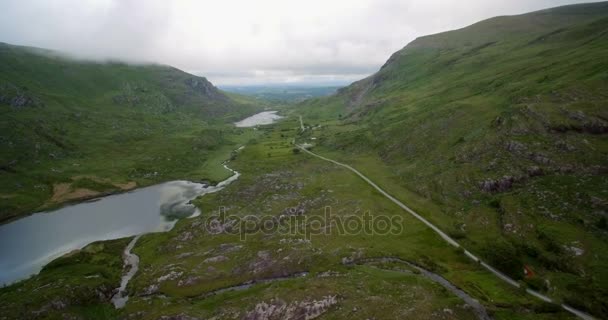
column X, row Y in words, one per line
column 62, row 118
column 501, row 126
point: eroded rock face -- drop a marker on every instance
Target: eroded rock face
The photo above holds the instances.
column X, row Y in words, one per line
column 277, row 309
column 203, row 86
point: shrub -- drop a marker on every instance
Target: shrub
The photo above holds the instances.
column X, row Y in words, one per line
column 503, row 256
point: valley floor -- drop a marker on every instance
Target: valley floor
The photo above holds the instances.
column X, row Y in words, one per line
column 264, row 248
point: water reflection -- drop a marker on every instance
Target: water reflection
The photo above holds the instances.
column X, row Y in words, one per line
column 26, row 245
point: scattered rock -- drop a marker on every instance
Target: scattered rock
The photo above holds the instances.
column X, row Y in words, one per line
column 151, row 289
column 180, row 316
column 278, row 309
column 562, row 145
column 500, row 185
column 185, row 236
column 188, row 281
column 515, row 146
column 169, row 276
column 184, row 255
column 216, row 259
column 575, row 251
column 539, row 158
column 229, row 247
column 262, row 263
column 535, row 171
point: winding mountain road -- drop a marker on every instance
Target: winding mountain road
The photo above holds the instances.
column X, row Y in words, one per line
column 447, row 238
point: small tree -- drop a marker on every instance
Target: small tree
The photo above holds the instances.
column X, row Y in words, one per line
column 296, row 150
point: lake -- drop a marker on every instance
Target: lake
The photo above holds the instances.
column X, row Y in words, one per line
column 258, row 119
column 27, row 244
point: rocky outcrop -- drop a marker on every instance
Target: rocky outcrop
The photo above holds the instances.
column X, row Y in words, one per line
column 497, row 185
column 202, row 86
column 535, row 171
column 515, row 146
column 17, row 98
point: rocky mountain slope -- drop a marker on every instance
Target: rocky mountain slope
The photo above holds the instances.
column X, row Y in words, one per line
column 502, row 127
column 63, row 118
column 493, row 133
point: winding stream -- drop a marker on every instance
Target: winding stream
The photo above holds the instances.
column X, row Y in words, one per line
column 479, row 310
column 132, row 262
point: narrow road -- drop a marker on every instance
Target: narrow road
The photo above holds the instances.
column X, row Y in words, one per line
column 302, row 124
column 447, row 238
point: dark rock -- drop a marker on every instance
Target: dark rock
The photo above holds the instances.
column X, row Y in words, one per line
column 189, row 281
column 203, row 86
column 515, row 146
column 578, row 115
column 564, row 146
column 595, row 127
column 499, row 121
column 539, row 158
column 535, row 171
column 499, row 185
column 21, row 101
column 17, row 97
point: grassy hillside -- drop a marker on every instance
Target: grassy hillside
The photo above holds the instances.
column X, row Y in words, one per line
column 251, row 271
column 495, row 133
column 73, row 129
column 498, row 133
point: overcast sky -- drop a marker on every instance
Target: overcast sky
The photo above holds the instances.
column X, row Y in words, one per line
column 246, row 41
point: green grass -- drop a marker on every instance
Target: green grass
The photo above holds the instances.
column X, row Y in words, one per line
column 273, row 180
column 116, row 122
column 445, row 113
column 500, row 98
column 80, row 283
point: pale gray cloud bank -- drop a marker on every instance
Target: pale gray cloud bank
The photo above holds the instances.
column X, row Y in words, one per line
column 246, row 41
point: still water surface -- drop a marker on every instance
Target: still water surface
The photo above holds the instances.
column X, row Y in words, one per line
column 27, row 244
column 259, row 119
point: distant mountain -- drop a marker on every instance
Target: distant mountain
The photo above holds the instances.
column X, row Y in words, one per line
column 283, row 94
column 503, row 125
column 35, row 77
column 62, row 118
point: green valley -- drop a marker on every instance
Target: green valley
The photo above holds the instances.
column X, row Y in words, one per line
column 494, row 134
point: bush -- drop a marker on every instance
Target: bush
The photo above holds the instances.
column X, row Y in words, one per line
column 503, row 256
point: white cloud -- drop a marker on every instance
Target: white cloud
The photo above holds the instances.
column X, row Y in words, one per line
column 246, row 41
